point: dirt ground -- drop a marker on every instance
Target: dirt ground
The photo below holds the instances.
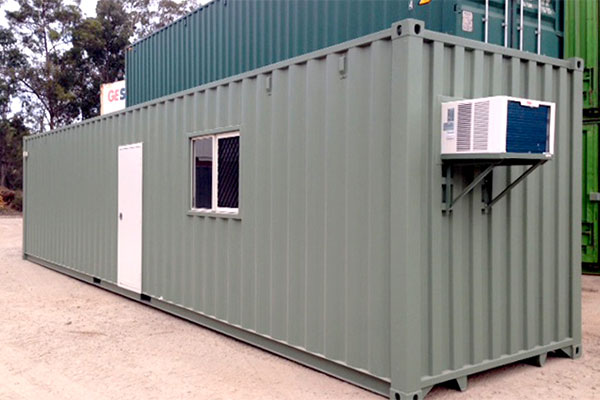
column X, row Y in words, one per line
column 64, row 339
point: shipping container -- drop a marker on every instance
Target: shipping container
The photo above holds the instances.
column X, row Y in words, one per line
column 590, row 242
column 298, row 207
column 229, row 37
column 582, row 31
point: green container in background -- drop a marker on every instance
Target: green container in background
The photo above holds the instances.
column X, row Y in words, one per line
column 468, row 19
column 228, row 37
column 590, row 241
column 582, row 34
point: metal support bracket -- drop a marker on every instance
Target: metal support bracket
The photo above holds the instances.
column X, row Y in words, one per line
column 447, row 191
column 485, row 178
column 524, row 175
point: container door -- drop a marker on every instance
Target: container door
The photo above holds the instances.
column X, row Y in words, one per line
column 537, row 26
column 497, row 22
column 129, row 248
column 475, row 19
column 590, row 239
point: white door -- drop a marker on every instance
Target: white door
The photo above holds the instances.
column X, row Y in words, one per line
column 129, row 216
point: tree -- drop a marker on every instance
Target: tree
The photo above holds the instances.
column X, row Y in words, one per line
column 10, row 58
column 98, row 51
column 12, row 127
column 43, row 29
column 54, row 62
column 65, row 59
column 12, row 132
column 148, row 16
column 100, row 43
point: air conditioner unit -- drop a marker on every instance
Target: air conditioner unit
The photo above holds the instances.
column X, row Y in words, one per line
column 498, row 125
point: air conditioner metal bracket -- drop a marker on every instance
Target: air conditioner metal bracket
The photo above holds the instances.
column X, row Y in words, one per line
column 488, row 162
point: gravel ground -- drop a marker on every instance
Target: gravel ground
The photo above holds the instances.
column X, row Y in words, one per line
column 64, row 339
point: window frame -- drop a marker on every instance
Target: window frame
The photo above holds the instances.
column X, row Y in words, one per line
column 215, row 210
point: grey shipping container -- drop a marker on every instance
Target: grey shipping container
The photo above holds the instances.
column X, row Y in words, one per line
column 340, row 256
column 229, row 37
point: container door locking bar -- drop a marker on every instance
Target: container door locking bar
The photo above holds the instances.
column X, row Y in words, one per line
column 539, row 28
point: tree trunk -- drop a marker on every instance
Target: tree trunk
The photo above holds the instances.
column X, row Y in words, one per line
column 3, row 174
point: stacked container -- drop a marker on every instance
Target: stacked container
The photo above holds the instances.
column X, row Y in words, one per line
column 582, row 28
column 229, row 37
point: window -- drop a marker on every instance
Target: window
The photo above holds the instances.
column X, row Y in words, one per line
column 216, row 172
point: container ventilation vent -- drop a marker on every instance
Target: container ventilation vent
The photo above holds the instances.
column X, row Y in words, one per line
column 463, row 127
column 480, row 125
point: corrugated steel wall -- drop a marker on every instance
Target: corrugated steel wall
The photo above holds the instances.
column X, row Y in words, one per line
column 229, row 37
column 582, row 35
column 501, row 283
column 582, row 28
column 590, row 226
column 226, row 38
column 71, row 202
column 342, row 249
column 314, row 204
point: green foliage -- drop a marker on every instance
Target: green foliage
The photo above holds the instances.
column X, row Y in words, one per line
column 10, row 58
column 12, row 128
column 12, row 132
column 98, row 50
column 53, row 61
column 17, row 202
column 148, row 16
column 43, row 29
column 64, row 58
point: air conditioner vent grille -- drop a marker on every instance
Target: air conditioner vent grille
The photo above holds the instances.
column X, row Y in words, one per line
column 463, row 127
column 480, row 125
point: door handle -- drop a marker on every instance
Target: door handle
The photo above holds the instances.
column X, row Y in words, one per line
column 121, row 216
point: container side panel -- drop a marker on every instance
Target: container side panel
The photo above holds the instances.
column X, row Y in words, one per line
column 307, row 261
column 500, row 283
column 70, row 180
column 324, row 233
